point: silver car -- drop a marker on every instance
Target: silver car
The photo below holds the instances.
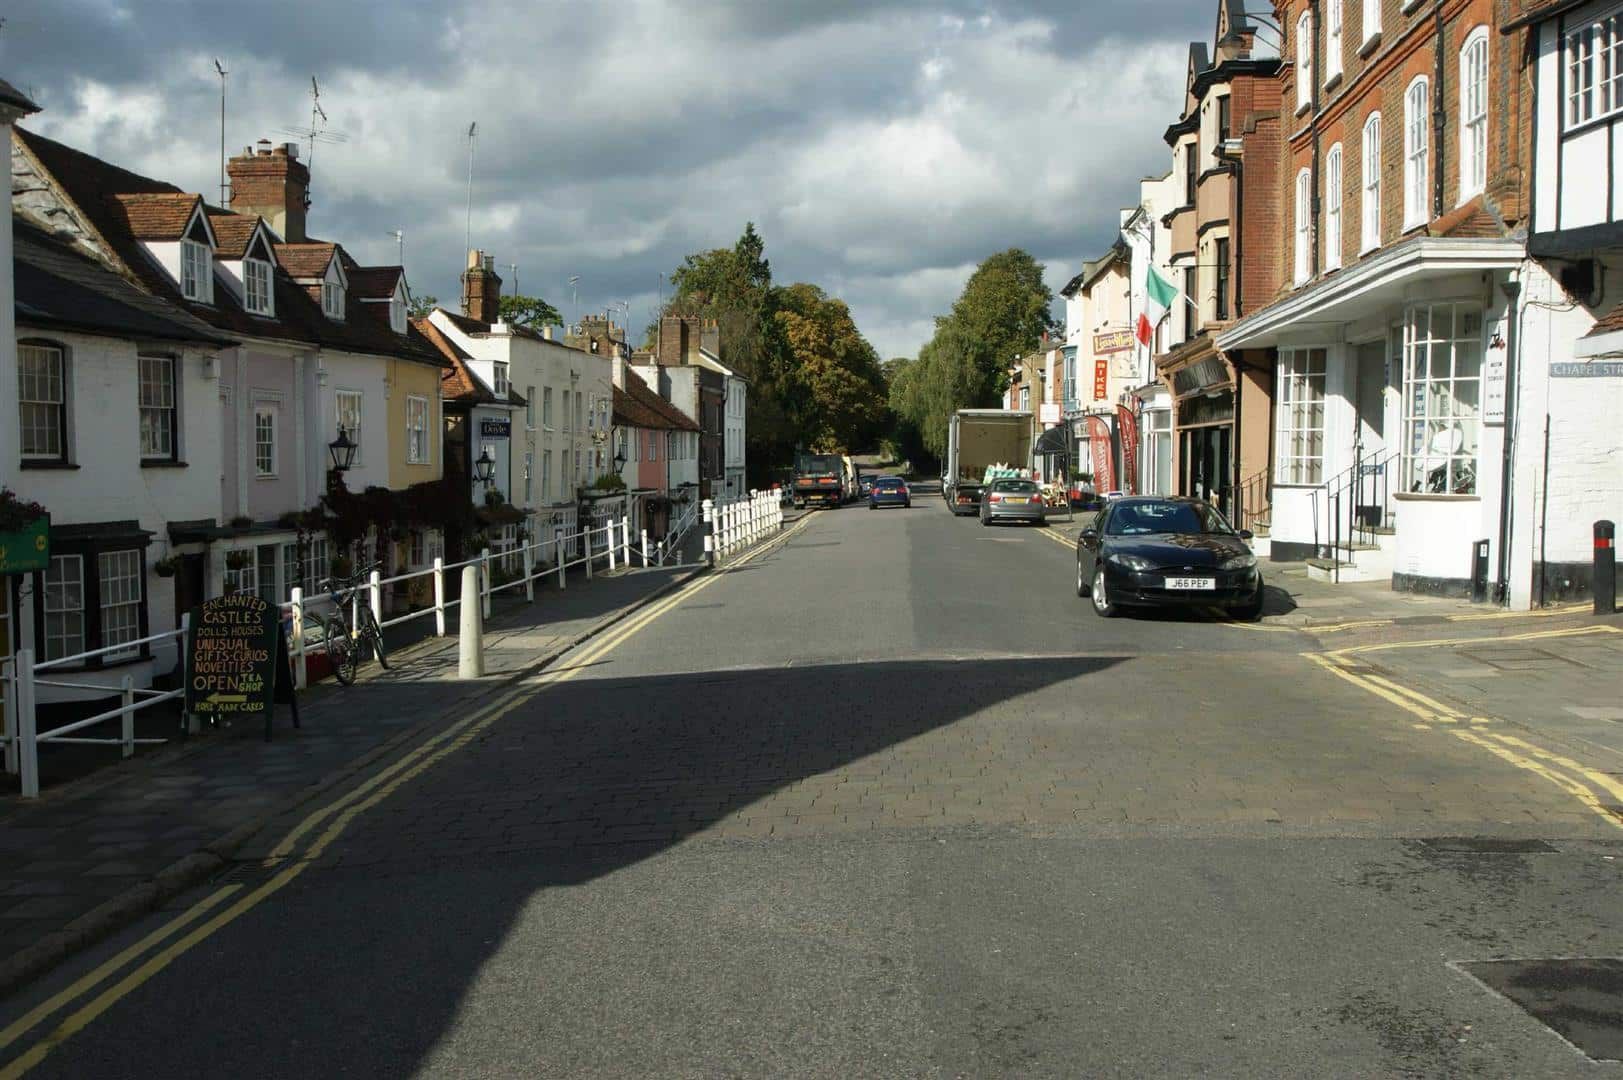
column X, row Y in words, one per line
column 1013, row 500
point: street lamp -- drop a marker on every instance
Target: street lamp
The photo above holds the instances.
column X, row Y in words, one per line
column 342, row 450
column 484, row 467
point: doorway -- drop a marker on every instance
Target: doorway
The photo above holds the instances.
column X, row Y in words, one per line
column 1207, row 463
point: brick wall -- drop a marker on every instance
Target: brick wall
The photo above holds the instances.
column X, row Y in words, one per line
column 1378, row 80
column 1256, row 225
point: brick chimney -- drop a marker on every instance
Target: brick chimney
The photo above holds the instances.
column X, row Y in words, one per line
column 674, row 336
column 273, row 183
column 481, row 288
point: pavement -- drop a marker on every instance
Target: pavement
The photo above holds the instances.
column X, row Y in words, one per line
column 887, row 799
column 95, row 853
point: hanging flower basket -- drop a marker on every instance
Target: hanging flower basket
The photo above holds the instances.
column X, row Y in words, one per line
column 237, row 559
column 166, row 566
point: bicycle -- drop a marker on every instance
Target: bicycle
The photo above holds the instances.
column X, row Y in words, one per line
column 343, row 645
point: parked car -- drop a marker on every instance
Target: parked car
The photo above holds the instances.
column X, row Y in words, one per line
column 1147, row 551
column 889, row 491
column 1013, row 500
column 864, row 485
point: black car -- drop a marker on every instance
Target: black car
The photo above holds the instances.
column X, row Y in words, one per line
column 1155, row 552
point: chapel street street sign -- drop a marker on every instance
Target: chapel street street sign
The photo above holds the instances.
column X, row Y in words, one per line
column 26, row 549
column 1600, row 369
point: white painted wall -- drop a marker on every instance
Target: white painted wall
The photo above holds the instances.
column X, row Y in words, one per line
column 1547, row 106
column 353, row 372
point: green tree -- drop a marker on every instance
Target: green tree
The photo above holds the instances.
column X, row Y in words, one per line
column 528, row 311
column 421, row 306
column 843, row 407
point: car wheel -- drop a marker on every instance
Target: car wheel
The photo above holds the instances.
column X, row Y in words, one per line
column 986, row 520
column 1081, row 582
column 871, row 506
column 1102, row 606
column 1250, row 611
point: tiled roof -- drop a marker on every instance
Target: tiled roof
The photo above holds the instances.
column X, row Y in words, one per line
column 232, row 232
column 95, row 187
column 465, row 324
column 373, row 281
column 58, row 287
column 644, row 408
column 1609, row 323
column 1473, row 220
column 308, row 260
column 157, row 216
column 457, row 383
column 10, row 95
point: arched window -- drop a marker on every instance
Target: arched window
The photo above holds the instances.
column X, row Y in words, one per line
column 1474, row 113
column 1304, row 61
column 1371, row 202
column 1332, row 40
column 1332, row 208
column 1304, row 202
column 1416, row 151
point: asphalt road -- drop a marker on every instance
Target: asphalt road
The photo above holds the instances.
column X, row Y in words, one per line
column 890, row 800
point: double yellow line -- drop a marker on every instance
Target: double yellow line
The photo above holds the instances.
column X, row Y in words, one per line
column 1592, row 788
column 293, row 857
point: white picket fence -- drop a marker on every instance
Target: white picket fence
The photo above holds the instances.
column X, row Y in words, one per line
column 733, row 525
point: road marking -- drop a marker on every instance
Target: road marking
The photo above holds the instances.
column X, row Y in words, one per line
column 348, row 808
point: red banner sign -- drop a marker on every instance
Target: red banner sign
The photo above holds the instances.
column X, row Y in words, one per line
column 1127, row 424
column 1101, row 379
column 1104, row 473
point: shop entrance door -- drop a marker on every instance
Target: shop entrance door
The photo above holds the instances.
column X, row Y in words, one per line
column 1207, row 465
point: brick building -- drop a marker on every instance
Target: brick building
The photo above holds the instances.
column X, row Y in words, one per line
column 1404, row 166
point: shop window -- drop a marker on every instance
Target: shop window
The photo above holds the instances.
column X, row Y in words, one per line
column 119, row 576
column 1442, row 396
column 64, row 607
column 1300, row 413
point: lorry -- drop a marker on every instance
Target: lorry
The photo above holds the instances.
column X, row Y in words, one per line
column 976, row 440
column 820, row 479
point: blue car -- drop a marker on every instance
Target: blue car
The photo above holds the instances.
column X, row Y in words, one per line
column 889, row 491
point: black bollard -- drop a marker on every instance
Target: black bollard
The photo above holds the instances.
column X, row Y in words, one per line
column 1605, row 586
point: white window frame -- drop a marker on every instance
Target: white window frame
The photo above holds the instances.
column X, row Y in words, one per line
column 196, row 271
column 157, row 399
column 257, row 295
column 1416, row 152
column 397, row 313
column 529, row 408
column 1442, row 397
column 1474, row 114
column 266, row 410
column 653, row 446
column 529, row 471
column 65, row 643
column 1370, row 203
column 501, row 383
column 546, row 407
column 349, row 409
column 417, row 430
column 1372, row 22
column 119, row 580
column 332, row 300
column 1593, row 54
column 43, row 402
column 1334, row 163
column 546, row 477
column 1299, row 438
column 1332, row 41
column 1304, row 248
column 1304, row 62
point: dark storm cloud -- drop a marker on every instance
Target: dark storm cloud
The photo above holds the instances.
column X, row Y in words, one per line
column 883, row 147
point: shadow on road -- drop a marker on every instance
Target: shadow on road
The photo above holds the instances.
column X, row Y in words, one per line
column 589, row 777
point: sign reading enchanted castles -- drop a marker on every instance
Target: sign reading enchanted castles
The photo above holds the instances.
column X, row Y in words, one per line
column 235, row 657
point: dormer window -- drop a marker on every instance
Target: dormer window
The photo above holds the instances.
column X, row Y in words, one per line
column 397, row 313
column 332, row 299
column 196, row 272
column 502, row 385
column 256, row 287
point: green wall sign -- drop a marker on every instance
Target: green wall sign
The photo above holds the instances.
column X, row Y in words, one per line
column 26, row 549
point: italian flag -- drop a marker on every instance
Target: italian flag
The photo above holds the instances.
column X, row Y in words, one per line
column 1159, row 296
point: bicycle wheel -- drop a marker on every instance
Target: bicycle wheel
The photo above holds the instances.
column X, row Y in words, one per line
column 341, row 650
column 374, row 633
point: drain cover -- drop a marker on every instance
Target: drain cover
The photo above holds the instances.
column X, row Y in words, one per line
column 1581, row 1000
column 1487, row 845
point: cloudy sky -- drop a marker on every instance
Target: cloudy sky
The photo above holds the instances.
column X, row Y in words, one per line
column 882, row 147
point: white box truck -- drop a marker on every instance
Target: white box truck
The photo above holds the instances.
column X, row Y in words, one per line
column 976, row 440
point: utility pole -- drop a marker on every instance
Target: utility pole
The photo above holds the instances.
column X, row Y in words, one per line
column 224, row 200
column 467, row 229
column 513, row 266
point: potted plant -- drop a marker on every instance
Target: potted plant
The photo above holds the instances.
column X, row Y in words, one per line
column 342, row 567
column 238, row 559
column 242, row 521
column 166, row 566
column 494, row 497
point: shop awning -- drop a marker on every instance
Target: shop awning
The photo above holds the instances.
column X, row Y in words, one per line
column 1053, row 441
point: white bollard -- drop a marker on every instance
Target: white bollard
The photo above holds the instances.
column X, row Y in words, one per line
column 375, row 594
column 709, row 532
column 470, row 662
column 296, row 599
column 588, row 536
column 611, row 540
column 645, row 548
column 439, row 596
column 484, row 582
column 558, row 553
column 625, row 541
column 27, row 747
column 529, row 571
column 126, row 719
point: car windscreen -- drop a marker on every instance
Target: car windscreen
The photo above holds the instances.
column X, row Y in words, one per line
column 1141, row 518
column 1022, row 487
column 888, row 483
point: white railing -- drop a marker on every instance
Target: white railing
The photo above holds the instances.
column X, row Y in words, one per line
column 742, row 522
column 20, row 674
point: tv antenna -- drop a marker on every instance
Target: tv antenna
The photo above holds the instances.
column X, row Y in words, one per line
column 574, row 295
column 225, row 201
column 399, row 236
column 317, row 131
column 467, row 229
column 513, row 266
